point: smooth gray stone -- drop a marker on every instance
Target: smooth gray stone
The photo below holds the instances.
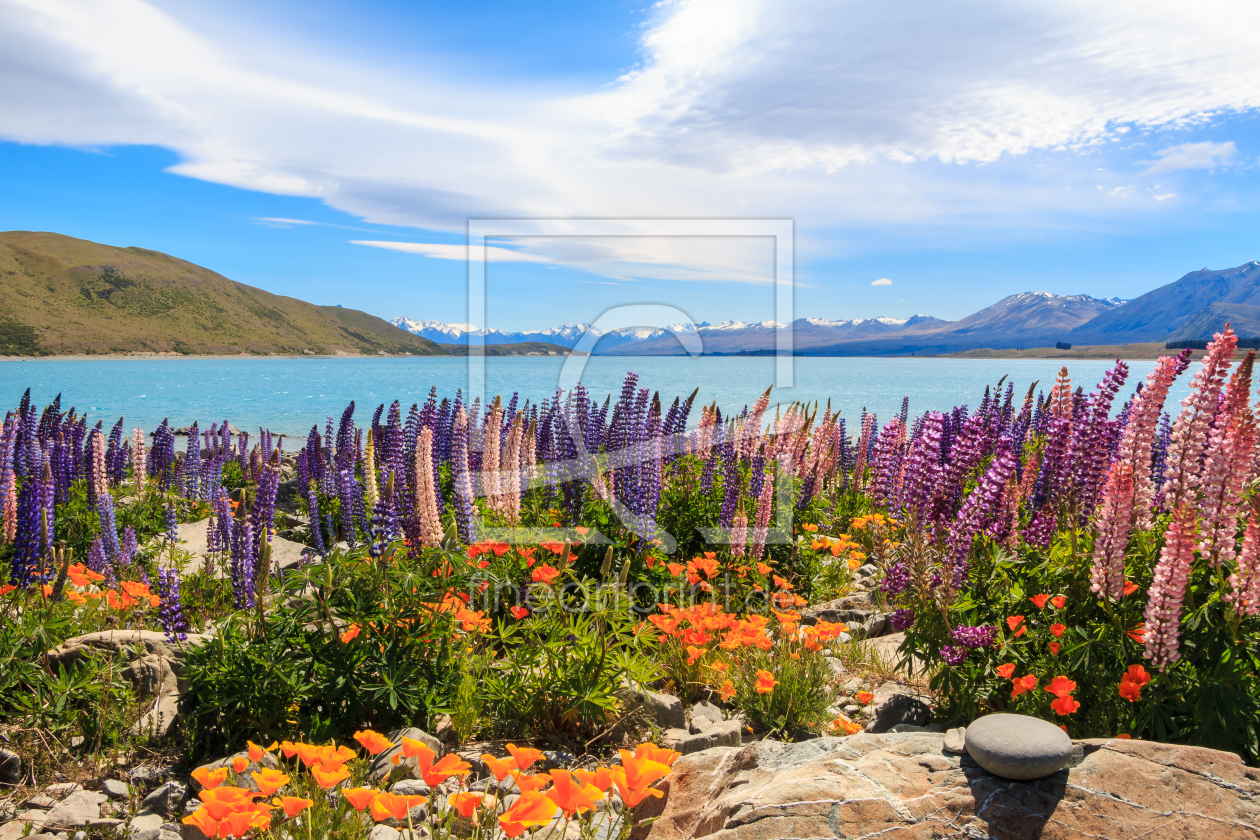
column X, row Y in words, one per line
column 1018, row 747
column 10, row 768
column 115, row 789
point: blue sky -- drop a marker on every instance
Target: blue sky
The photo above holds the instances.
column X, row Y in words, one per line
column 962, row 154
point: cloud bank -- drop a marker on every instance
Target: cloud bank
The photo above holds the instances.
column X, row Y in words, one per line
column 834, row 114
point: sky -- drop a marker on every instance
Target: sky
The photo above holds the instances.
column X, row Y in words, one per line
column 933, row 158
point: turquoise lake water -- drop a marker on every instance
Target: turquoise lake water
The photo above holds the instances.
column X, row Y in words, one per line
column 289, row 395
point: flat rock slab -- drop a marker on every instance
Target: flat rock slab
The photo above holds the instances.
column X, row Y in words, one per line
column 71, row 650
column 1018, row 746
column 907, row 786
column 285, row 554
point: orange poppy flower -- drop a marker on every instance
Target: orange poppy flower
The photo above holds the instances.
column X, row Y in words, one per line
column 239, row 763
column 1065, row 705
column 1130, row 587
column 465, row 803
column 1130, row 691
column 374, row 742
column 221, row 801
column 524, row 756
column 519, row 612
column 1016, row 621
column 237, row 824
column 292, row 805
column 1124, row 736
column 202, row 820
column 545, row 574
column 359, row 798
column 269, row 781
column 529, row 783
column 1138, row 633
column 1005, row 671
column 256, row 751
column 600, row 777
column 764, row 569
column 530, row 809
column 765, row 682
column 1137, row 675
column 329, row 777
column 865, row 697
column 571, row 795
column 727, row 691
column 1025, row 683
column 846, row 726
column 1040, row 600
column 1057, row 629
column 694, row 653
column 1054, row 648
column 210, row 779
column 1061, row 686
column 449, row 765
column 636, row 776
column 661, row 755
column 352, row 633
column 1059, row 601
column 499, row 767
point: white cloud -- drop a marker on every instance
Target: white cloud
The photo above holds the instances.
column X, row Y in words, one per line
column 833, row 114
column 279, row 222
column 883, row 281
column 1194, row 156
column 1165, row 196
column 452, row 252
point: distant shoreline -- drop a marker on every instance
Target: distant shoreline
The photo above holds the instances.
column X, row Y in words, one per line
column 1151, row 350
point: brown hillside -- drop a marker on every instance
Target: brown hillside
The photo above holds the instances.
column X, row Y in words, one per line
column 60, row 295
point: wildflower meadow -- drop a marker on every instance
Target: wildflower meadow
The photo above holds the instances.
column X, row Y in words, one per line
column 511, row 572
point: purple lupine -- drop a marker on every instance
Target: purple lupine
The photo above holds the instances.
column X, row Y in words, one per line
column 264, row 510
column 171, row 612
column 923, row 468
column 162, row 456
column 979, row 509
column 172, row 525
column 96, row 560
column 312, row 504
column 129, row 547
column 25, row 565
column 243, row 563
column 116, row 456
column 975, row 637
column 896, row 579
column 109, row 530
column 953, row 655
column 902, row 619
column 192, row 463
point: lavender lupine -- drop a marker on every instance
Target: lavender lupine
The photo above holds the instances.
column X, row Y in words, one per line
column 242, row 568
column 1229, row 466
column 975, row 637
column 172, row 610
column 923, row 467
column 172, row 525
column 116, row 456
column 902, row 619
column 1168, row 588
column 192, row 463
column 264, row 510
column 1190, row 431
column 312, row 504
column 25, row 565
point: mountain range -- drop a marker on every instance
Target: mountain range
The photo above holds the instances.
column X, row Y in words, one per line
column 1191, row 308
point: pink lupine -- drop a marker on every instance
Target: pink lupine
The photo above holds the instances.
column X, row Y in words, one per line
column 751, row 431
column 425, row 491
column 1244, row 583
column 138, row 461
column 8, row 528
column 510, row 480
column 1128, row 494
column 1061, row 394
column 490, row 479
column 1228, row 466
column 98, row 481
column 864, row 445
column 1190, row 433
column 1168, row 588
column 1114, row 518
column 739, row 535
column 764, row 504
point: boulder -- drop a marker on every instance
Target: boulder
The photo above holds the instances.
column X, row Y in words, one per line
column 895, row 705
column 75, row 811
column 704, row 715
column 908, row 786
column 71, row 651
column 665, row 710
column 383, row 765
column 727, row 733
column 1018, row 746
column 10, row 768
column 166, row 799
column 115, row 789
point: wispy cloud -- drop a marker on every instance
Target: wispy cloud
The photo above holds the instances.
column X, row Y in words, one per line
column 281, row 222
column 1194, row 156
column 439, row 251
column 883, row 281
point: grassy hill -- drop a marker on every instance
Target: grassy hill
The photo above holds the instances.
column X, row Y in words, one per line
column 60, row 295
